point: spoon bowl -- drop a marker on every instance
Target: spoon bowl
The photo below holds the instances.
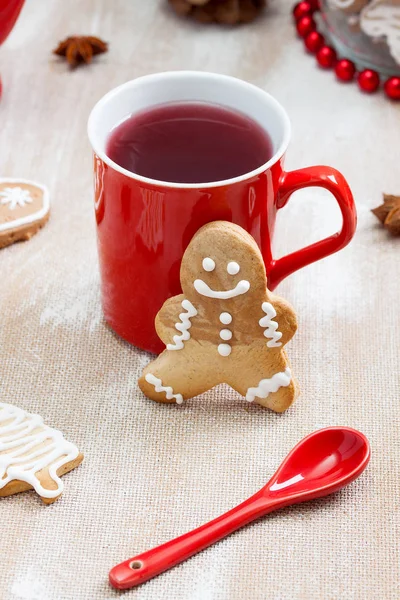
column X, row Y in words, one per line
column 322, row 463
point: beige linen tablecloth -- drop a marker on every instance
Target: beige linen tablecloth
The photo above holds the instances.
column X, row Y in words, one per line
column 152, row 472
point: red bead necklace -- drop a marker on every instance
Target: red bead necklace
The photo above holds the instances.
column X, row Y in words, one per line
column 368, row 80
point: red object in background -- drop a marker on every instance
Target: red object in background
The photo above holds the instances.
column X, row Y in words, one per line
column 368, row 80
column 392, row 88
column 302, row 9
column 321, row 464
column 326, row 57
column 314, row 41
column 305, row 25
column 345, row 70
column 9, row 11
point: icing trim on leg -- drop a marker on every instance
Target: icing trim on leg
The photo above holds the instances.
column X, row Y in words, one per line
column 183, row 326
column 159, row 387
column 271, row 326
column 267, row 386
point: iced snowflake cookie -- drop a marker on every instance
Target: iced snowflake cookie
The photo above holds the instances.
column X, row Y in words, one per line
column 24, row 209
column 226, row 327
column 33, row 455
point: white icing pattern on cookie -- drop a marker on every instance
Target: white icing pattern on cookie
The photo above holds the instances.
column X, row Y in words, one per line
column 202, row 288
column 224, row 349
column 183, row 327
column 208, row 264
column 29, row 218
column 28, row 446
column 159, row 387
column 225, row 318
column 225, row 334
column 233, row 268
column 15, row 196
column 271, row 326
column 268, row 386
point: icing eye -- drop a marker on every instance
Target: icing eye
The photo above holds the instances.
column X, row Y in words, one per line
column 208, row 264
column 233, row 268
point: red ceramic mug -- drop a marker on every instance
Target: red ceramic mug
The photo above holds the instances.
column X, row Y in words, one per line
column 144, row 225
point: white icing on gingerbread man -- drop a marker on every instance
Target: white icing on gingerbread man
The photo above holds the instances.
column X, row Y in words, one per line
column 233, row 329
column 183, row 326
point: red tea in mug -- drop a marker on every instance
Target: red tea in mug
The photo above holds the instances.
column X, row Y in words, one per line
column 191, row 142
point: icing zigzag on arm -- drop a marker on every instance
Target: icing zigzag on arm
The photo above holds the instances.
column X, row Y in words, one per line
column 159, row 387
column 271, row 326
column 183, row 326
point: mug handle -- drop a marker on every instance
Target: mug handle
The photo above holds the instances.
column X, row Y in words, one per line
column 334, row 182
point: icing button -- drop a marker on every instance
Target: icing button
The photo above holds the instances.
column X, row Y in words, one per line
column 225, row 318
column 224, row 349
column 225, row 334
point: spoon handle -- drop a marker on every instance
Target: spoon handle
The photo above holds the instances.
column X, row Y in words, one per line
column 145, row 566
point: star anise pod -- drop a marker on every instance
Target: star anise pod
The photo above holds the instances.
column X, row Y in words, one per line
column 389, row 213
column 79, row 49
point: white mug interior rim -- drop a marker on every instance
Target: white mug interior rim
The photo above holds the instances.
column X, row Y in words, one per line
column 182, row 86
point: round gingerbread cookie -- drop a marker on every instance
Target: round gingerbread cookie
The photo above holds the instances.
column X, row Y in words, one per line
column 226, row 327
column 24, row 209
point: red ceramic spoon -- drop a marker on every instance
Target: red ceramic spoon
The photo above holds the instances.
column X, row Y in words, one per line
column 322, row 463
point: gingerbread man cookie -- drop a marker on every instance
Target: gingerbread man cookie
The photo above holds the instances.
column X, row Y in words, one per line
column 226, row 327
column 33, row 455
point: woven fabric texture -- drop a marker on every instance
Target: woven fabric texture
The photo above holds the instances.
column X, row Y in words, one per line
column 152, row 472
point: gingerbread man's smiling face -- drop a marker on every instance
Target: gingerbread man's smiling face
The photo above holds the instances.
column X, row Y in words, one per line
column 222, row 263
